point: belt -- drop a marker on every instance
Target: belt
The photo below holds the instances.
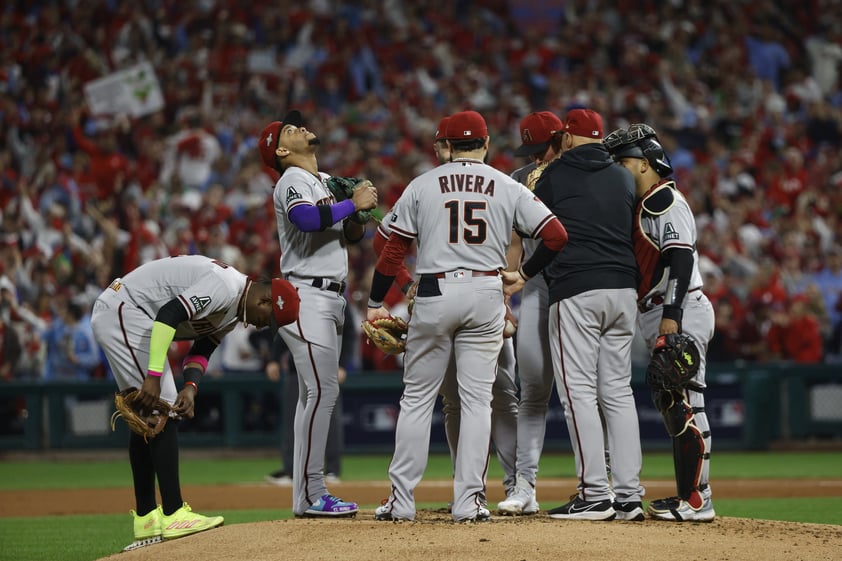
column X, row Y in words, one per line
column 323, row 284
column 657, row 300
column 327, row 284
column 460, row 272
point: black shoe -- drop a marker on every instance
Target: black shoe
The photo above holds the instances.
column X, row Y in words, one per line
column 577, row 509
column 629, row 511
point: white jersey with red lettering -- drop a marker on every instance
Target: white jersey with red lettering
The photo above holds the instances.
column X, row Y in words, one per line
column 122, row 317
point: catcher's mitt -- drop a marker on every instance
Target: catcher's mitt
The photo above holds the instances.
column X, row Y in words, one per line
column 388, row 334
column 146, row 423
column 674, row 363
column 343, row 188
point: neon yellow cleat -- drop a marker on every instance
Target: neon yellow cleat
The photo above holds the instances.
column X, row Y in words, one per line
column 184, row 522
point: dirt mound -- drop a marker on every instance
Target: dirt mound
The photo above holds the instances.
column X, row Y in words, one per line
column 434, row 537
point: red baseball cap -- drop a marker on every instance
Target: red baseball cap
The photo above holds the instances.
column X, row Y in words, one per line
column 466, row 125
column 536, row 131
column 441, row 130
column 584, row 122
column 268, row 141
column 285, row 303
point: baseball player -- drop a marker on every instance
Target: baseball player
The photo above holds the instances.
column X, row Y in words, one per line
column 592, row 314
column 134, row 320
column 314, row 230
column 671, row 301
column 541, row 141
column 461, row 214
column 504, row 390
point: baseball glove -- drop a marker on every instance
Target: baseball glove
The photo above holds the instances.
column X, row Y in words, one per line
column 146, row 423
column 674, row 363
column 387, row 334
column 343, row 188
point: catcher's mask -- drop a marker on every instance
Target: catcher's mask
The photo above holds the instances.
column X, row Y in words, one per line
column 639, row 141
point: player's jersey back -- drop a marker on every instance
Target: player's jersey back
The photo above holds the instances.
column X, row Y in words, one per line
column 209, row 290
column 462, row 215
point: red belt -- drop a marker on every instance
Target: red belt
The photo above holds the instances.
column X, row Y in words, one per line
column 493, row 273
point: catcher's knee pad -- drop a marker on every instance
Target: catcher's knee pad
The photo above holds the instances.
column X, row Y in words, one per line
column 675, row 410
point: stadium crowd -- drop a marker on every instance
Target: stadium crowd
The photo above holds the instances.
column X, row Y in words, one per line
column 746, row 96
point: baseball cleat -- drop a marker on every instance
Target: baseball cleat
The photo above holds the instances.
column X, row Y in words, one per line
column 143, row 543
column 328, row 505
column 679, row 510
column 632, row 510
column 579, row 509
column 280, row 478
column 520, row 501
column 482, row 515
column 184, row 522
column 147, row 526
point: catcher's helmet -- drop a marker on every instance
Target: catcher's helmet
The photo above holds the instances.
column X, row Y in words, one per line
column 639, row 141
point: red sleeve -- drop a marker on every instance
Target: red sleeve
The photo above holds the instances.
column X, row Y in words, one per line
column 402, row 275
column 554, row 235
column 393, row 254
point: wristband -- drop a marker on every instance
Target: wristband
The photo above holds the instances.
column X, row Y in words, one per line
column 195, row 386
column 522, row 274
column 374, row 304
column 198, row 359
column 153, row 373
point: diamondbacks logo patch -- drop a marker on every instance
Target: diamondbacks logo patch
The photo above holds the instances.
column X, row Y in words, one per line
column 669, row 232
column 293, row 195
column 199, row 303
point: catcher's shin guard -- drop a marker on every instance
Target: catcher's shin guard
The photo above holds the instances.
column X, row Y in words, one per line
column 688, row 444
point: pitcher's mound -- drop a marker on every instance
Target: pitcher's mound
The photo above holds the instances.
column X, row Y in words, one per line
column 433, row 537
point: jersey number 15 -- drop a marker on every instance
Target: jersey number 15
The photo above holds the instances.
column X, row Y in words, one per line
column 463, row 219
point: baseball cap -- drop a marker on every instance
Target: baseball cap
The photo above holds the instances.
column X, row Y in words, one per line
column 466, row 125
column 536, row 131
column 285, row 303
column 268, row 142
column 441, row 130
column 584, row 122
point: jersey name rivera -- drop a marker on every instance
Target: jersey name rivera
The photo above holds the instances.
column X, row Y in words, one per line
column 466, row 183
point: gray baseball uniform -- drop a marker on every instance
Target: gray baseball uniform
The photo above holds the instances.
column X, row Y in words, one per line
column 503, row 404
column 316, row 263
column 209, row 290
column 674, row 227
column 461, row 215
column 534, row 362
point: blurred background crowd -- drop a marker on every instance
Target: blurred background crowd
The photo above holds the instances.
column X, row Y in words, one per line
column 745, row 95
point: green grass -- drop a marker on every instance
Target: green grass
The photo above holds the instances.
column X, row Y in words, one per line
column 88, row 537
column 64, row 474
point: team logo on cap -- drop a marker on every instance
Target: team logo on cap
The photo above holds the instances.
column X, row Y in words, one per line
column 269, row 140
column 526, row 136
column 279, row 303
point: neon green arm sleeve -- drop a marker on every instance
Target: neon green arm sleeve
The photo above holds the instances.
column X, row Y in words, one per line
column 159, row 343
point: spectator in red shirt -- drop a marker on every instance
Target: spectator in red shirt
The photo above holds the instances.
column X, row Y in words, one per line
column 795, row 334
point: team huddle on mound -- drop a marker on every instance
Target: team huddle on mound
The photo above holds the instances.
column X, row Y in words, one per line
column 593, row 232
